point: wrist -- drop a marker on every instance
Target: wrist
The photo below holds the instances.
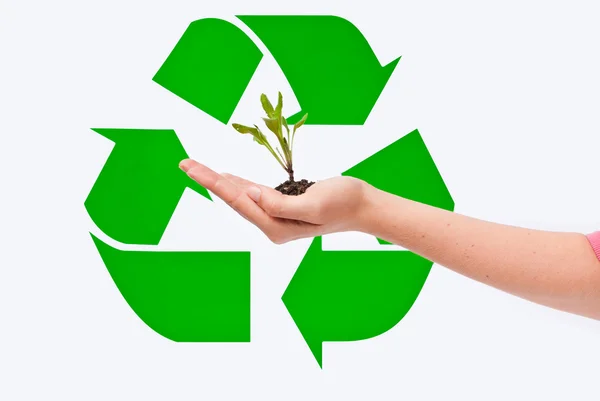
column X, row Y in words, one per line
column 369, row 214
column 384, row 215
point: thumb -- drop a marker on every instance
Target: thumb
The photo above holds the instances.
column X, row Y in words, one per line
column 276, row 204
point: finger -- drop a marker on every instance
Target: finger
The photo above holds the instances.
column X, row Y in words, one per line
column 239, row 181
column 304, row 208
column 245, row 184
column 223, row 188
column 231, row 194
column 212, row 181
column 186, row 164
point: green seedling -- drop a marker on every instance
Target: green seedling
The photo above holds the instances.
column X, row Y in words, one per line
column 277, row 124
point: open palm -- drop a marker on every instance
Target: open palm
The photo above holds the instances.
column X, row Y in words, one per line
column 332, row 205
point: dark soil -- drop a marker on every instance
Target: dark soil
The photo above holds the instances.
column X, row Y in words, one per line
column 294, row 187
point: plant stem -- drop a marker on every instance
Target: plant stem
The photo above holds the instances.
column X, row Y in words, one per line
column 268, row 146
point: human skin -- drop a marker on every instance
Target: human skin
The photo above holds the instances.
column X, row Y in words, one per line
column 556, row 269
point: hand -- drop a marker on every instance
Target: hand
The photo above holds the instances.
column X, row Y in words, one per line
column 333, row 205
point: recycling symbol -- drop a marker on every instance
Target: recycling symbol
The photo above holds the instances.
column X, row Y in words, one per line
column 205, row 296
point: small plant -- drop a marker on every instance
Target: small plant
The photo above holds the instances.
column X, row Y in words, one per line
column 277, row 124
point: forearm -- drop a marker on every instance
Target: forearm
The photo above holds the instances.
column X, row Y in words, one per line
column 555, row 269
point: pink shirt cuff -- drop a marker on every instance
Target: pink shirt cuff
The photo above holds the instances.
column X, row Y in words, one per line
column 595, row 242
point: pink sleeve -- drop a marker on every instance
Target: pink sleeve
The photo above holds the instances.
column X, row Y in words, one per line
column 595, row 242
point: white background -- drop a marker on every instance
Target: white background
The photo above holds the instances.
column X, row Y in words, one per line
column 506, row 97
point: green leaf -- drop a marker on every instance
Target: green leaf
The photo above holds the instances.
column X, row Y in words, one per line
column 267, row 106
column 298, row 125
column 285, row 124
column 287, row 151
column 260, row 134
column 279, row 106
column 273, row 125
column 255, row 132
column 242, row 129
column 301, row 122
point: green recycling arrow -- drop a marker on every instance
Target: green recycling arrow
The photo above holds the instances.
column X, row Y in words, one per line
column 185, row 296
column 210, row 67
column 329, row 64
column 355, row 295
column 352, row 295
column 140, row 185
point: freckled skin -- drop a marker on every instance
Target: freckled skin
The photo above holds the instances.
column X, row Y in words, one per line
column 556, row 269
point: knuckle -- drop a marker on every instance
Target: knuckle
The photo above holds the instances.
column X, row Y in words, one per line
column 218, row 185
column 235, row 202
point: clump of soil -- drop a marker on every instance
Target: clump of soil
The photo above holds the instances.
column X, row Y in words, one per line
column 291, row 187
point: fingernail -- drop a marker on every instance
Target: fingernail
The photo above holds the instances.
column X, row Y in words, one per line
column 254, row 193
column 185, row 164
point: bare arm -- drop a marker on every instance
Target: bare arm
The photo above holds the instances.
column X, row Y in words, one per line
column 559, row 270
